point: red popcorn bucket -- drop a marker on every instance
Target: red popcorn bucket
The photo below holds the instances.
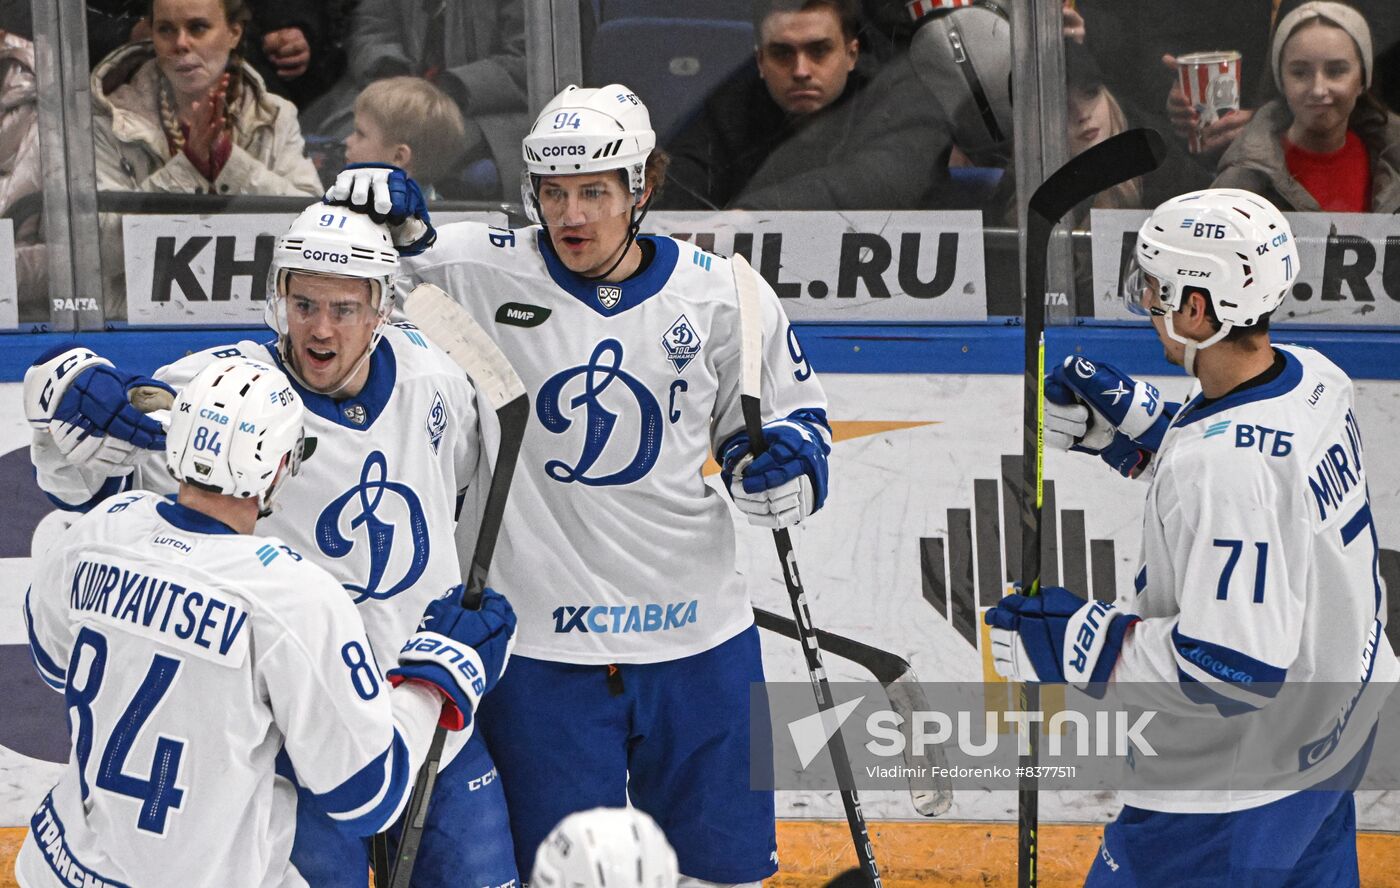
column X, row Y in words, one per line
column 1211, row 81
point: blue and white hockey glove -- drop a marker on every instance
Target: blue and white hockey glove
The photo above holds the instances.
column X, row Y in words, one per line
column 1130, row 406
column 460, row 652
column 1056, row 637
column 784, row 484
column 95, row 413
column 390, row 197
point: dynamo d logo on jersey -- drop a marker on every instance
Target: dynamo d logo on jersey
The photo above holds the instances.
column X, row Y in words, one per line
column 437, row 421
column 682, row 343
column 625, row 617
column 633, row 433
column 382, row 520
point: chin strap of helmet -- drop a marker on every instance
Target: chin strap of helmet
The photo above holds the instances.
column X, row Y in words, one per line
column 1192, row 346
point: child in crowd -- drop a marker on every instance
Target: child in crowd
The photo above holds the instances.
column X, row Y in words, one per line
column 407, row 122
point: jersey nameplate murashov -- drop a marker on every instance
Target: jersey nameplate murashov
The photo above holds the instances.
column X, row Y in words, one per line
column 614, row 548
column 1258, row 573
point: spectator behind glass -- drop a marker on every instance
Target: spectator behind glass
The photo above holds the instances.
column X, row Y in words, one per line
column 473, row 50
column 806, row 53
column 185, row 114
column 292, row 45
column 21, row 172
column 1092, row 114
column 1328, row 143
column 407, row 122
column 807, row 129
column 1136, row 43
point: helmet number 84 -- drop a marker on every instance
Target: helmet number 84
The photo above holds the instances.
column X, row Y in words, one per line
column 203, row 440
column 566, row 119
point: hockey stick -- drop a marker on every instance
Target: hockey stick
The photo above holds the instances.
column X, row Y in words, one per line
column 1117, row 159
column 906, row 697
column 750, row 392
column 453, row 329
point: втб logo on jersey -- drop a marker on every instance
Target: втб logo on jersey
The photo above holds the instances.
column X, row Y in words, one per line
column 375, row 523
column 682, row 343
column 602, row 370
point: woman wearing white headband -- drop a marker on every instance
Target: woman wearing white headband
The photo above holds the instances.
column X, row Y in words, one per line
column 1327, row 143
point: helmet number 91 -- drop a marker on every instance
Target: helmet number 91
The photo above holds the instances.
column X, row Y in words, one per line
column 566, row 119
column 328, row 219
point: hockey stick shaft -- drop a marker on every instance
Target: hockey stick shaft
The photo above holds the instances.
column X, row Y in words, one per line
column 454, row 330
column 751, row 350
column 1115, row 160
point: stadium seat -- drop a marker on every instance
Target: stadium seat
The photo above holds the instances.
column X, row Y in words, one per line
column 673, row 64
column 970, row 187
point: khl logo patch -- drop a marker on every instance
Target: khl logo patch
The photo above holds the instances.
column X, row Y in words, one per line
column 682, row 343
column 609, row 296
column 437, row 421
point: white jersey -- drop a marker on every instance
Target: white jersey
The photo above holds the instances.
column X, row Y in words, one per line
column 614, row 549
column 1259, row 570
column 376, row 503
column 190, row 655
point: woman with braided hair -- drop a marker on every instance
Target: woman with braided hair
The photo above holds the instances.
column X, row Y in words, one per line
column 185, row 113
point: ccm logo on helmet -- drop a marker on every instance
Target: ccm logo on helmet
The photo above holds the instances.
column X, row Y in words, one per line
column 1192, row 273
column 324, row 256
column 563, row 151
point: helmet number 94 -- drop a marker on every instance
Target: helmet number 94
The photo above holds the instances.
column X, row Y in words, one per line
column 566, row 119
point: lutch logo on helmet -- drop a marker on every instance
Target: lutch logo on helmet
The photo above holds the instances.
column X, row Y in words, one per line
column 384, row 509
column 604, row 368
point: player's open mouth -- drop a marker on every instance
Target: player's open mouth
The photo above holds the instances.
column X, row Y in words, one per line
column 319, row 358
column 573, row 241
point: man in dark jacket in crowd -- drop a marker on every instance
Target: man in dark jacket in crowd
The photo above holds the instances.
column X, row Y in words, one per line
column 806, row 54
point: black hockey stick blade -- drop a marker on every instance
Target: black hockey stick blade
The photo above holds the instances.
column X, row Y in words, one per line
column 1129, row 154
column 932, row 796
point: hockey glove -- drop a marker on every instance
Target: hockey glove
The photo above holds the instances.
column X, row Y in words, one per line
column 390, row 197
column 784, row 484
column 87, row 405
column 460, row 652
column 1056, row 637
column 1132, row 407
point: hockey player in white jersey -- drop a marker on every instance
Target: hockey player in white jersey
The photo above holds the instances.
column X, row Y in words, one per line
column 636, row 633
column 192, row 654
column 1258, row 567
column 402, row 439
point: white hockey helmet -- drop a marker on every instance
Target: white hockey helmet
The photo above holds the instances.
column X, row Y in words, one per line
column 962, row 54
column 232, row 427
column 589, row 131
column 605, row 848
column 1234, row 245
column 337, row 242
